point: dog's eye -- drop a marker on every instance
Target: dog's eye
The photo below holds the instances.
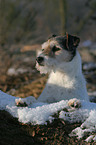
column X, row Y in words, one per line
column 42, row 49
column 55, row 49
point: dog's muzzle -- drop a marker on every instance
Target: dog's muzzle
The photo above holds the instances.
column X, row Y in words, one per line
column 40, row 60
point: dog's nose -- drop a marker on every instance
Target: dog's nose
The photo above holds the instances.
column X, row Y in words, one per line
column 39, row 59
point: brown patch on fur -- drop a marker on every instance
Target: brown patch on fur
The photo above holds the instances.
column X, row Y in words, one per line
column 47, row 50
column 67, row 40
column 76, row 42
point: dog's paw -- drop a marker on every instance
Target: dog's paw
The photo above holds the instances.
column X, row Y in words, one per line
column 21, row 103
column 74, row 103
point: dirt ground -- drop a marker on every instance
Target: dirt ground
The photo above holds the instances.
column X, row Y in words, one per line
column 28, row 83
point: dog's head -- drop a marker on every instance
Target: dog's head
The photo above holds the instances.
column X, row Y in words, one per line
column 56, row 51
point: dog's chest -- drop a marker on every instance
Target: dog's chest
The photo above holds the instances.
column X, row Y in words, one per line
column 61, row 80
column 61, row 86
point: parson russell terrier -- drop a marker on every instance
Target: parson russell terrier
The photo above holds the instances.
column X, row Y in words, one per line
column 59, row 57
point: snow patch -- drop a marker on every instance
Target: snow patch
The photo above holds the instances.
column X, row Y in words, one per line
column 14, row 71
column 40, row 113
column 90, row 138
column 87, row 43
column 74, row 116
column 89, row 66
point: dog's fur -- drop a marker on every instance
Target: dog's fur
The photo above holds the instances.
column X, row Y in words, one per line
column 61, row 59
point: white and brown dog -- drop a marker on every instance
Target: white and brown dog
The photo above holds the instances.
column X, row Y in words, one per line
column 60, row 58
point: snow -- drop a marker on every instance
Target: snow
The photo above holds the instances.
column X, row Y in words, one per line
column 13, row 71
column 5, row 100
column 90, row 138
column 74, row 116
column 40, row 113
column 87, row 43
column 92, row 93
column 35, row 113
column 89, row 66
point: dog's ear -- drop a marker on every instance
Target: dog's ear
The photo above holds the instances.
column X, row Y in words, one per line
column 72, row 41
column 76, row 41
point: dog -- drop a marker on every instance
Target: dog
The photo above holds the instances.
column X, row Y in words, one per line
column 60, row 58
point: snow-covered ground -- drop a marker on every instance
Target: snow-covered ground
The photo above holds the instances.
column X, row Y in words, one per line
column 40, row 113
column 89, row 66
column 14, row 71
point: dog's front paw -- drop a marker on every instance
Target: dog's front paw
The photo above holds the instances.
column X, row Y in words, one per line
column 74, row 103
column 21, row 103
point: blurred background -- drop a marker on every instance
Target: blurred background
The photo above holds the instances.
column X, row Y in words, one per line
column 25, row 25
